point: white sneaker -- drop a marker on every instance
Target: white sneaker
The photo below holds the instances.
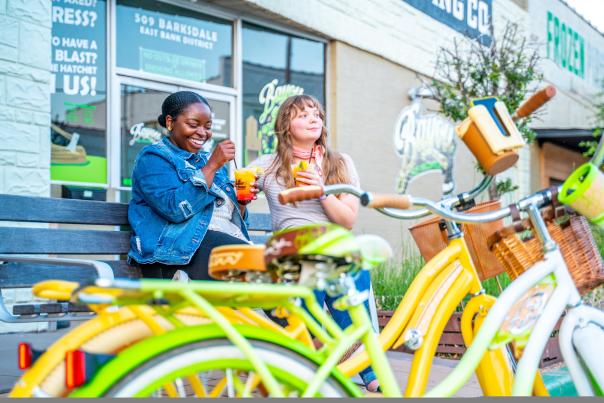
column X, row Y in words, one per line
column 181, row 276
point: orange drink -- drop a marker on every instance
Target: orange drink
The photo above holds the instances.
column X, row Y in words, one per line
column 244, row 177
column 300, row 166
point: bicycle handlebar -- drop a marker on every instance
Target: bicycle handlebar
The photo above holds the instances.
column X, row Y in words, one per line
column 314, row 192
column 534, row 102
column 381, row 202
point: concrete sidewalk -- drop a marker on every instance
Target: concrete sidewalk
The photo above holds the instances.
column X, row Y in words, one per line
column 401, row 362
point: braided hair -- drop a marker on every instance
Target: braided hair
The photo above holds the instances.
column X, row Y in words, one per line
column 177, row 102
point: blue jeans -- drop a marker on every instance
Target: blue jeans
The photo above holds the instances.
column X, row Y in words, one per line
column 342, row 318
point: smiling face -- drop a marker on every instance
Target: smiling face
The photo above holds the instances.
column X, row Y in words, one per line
column 305, row 126
column 191, row 128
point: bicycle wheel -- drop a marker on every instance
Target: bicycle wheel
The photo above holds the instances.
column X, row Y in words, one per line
column 105, row 334
column 202, row 362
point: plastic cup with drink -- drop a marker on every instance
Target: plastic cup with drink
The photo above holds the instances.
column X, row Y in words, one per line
column 301, row 166
column 244, row 177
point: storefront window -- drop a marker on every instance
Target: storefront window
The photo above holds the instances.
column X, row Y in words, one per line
column 159, row 38
column 275, row 66
column 139, row 127
column 78, row 98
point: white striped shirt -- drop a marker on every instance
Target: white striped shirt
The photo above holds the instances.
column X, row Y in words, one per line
column 305, row 212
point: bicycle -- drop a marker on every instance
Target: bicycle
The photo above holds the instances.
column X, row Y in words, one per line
column 137, row 370
column 113, row 330
column 490, row 385
column 421, row 323
column 582, row 327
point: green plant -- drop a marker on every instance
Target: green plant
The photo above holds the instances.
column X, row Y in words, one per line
column 506, row 69
column 598, row 235
column 591, row 145
column 392, row 279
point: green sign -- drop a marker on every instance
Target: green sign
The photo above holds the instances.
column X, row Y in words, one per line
column 271, row 97
column 173, row 65
column 565, row 46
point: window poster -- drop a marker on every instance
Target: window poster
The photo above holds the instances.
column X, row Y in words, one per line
column 78, row 85
column 162, row 39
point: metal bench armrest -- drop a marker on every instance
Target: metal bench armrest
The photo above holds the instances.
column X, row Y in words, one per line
column 103, row 271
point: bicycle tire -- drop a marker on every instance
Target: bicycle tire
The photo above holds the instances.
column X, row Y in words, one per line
column 291, row 368
column 102, row 335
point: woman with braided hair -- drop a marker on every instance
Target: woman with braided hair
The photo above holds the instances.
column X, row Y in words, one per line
column 183, row 202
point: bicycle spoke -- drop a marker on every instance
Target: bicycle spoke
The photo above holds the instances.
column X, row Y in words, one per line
column 230, row 386
column 180, row 387
column 198, row 388
column 239, row 386
column 252, row 383
column 219, row 388
column 170, row 390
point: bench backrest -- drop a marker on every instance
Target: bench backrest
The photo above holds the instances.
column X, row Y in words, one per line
column 85, row 238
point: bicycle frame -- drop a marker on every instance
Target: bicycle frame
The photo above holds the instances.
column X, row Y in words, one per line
column 423, row 313
column 564, row 296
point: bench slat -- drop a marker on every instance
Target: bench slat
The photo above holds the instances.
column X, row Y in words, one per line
column 23, row 275
column 63, row 241
column 260, row 222
column 68, row 211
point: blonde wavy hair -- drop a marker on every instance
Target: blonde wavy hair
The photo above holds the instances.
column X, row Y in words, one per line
column 334, row 166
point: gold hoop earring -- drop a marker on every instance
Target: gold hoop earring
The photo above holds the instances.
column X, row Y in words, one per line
column 169, row 128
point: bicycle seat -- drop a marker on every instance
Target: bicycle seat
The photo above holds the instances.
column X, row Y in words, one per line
column 238, row 263
column 309, row 253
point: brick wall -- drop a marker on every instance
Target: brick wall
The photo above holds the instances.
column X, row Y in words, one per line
column 25, row 32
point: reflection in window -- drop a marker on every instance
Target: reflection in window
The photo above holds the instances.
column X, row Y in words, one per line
column 78, row 98
column 138, row 125
column 275, row 66
column 163, row 39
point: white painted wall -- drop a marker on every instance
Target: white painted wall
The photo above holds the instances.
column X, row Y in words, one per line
column 404, row 35
column 25, row 97
column 24, row 112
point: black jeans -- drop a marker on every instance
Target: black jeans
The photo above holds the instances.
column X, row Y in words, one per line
column 197, row 268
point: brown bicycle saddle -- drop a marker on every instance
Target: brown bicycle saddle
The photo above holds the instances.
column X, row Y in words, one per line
column 325, row 247
column 237, row 262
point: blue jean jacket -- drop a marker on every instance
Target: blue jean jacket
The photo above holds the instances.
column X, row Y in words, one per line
column 172, row 204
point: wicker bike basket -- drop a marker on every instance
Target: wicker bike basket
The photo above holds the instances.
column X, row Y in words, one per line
column 518, row 248
column 431, row 237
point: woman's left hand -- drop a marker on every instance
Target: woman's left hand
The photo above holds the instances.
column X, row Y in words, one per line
column 254, row 189
column 309, row 177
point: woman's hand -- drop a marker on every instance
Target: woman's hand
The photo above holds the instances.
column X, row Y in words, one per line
column 309, row 177
column 223, row 153
column 254, row 189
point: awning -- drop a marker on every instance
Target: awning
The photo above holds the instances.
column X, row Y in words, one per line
column 567, row 138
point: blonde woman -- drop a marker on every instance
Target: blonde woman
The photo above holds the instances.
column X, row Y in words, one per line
column 302, row 138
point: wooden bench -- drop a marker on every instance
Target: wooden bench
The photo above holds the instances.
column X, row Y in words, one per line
column 83, row 238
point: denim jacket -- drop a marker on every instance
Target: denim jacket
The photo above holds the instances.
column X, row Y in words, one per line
column 172, row 204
